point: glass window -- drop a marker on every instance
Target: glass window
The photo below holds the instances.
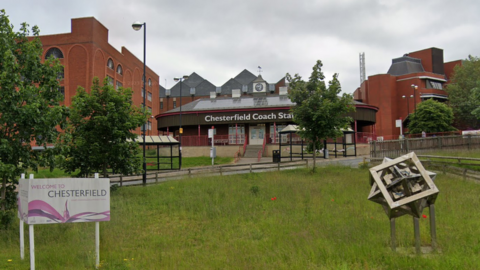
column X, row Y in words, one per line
column 61, row 89
column 55, row 52
column 118, row 85
column 161, row 105
column 174, row 104
column 236, row 134
column 61, row 74
column 143, row 92
column 149, row 82
column 149, row 96
column 110, row 80
column 110, row 63
column 434, row 84
column 274, row 135
column 119, row 70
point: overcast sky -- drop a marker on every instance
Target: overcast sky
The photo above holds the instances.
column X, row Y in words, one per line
column 219, row 38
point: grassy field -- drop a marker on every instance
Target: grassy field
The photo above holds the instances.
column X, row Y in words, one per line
column 280, row 220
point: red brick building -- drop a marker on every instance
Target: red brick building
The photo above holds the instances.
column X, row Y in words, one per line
column 85, row 53
column 412, row 78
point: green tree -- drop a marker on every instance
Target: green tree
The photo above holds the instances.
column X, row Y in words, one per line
column 463, row 101
column 431, row 116
column 99, row 135
column 319, row 111
column 29, row 106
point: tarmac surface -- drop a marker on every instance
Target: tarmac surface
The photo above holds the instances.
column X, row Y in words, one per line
column 344, row 161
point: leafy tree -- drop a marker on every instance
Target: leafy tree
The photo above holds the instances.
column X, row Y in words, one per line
column 99, row 135
column 319, row 112
column 29, row 107
column 431, row 116
column 461, row 95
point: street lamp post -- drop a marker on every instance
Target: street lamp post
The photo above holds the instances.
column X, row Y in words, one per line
column 408, row 104
column 180, row 130
column 137, row 26
column 414, row 87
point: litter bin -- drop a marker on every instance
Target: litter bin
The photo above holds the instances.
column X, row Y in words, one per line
column 276, row 156
column 326, row 153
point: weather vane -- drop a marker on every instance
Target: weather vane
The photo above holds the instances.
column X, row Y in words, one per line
column 259, row 70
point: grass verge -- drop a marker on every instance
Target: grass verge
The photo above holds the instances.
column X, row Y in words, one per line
column 278, row 220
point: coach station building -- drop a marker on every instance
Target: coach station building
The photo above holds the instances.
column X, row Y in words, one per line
column 252, row 114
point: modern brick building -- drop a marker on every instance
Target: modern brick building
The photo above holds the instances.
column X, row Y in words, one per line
column 412, row 78
column 85, row 53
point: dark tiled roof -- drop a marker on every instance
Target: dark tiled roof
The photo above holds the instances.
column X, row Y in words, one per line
column 245, row 77
column 193, row 80
column 405, row 65
column 230, row 85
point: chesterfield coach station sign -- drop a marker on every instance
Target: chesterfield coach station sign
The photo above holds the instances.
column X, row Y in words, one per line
column 249, row 117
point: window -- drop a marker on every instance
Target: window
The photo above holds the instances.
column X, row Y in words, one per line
column 149, row 96
column 161, row 105
column 149, row 82
column 174, row 104
column 118, row 85
column 143, row 92
column 274, row 134
column 236, row 134
column 244, row 88
column 61, row 74
column 167, row 92
column 110, row 63
column 110, row 80
column 119, row 70
column 271, row 87
column 149, row 109
column 55, row 52
column 434, row 84
column 192, row 91
column 61, row 89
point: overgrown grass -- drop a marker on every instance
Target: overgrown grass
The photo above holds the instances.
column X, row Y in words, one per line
column 472, row 165
column 279, row 220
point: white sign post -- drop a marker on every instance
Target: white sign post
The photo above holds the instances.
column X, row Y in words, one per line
column 62, row 200
column 398, row 123
column 213, row 152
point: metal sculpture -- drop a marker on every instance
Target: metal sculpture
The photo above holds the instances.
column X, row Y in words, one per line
column 403, row 187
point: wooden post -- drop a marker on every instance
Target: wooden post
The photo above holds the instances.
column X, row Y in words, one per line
column 121, row 180
column 156, row 177
column 278, row 164
column 416, row 228
column 250, row 167
column 220, row 170
column 189, row 173
column 433, row 229
column 464, row 174
column 392, row 234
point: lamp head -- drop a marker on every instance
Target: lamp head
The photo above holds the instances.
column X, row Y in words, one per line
column 137, row 25
column 403, row 96
column 414, row 86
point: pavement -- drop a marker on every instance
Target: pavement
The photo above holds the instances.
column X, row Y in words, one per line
column 344, row 161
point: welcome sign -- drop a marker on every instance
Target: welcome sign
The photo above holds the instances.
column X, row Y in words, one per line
column 64, row 200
